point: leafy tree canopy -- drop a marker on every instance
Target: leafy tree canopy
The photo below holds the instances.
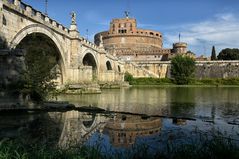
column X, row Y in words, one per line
column 183, row 68
column 228, row 54
column 41, row 57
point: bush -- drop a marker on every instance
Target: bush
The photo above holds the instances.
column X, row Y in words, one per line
column 128, row 77
column 183, row 68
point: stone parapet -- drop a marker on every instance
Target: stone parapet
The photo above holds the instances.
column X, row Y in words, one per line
column 35, row 15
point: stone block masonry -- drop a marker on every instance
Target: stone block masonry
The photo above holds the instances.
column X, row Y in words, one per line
column 19, row 21
column 204, row 69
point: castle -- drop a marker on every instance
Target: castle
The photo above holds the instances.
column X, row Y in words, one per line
column 125, row 40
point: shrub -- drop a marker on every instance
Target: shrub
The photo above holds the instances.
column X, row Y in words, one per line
column 128, row 77
column 183, row 68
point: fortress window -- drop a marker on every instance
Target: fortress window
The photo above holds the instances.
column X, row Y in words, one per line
column 131, row 27
column 113, row 27
column 4, row 20
column 123, row 31
column 151, row 33
column 157, row 34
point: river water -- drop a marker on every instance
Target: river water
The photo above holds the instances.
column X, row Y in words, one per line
column 185, row 112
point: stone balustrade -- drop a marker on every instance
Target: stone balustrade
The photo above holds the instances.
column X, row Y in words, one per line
column 90, row 44
column 29, row 11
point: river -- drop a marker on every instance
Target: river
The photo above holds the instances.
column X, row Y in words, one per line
column 169, row 113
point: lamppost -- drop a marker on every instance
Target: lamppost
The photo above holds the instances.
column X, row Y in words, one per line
column 46, row 5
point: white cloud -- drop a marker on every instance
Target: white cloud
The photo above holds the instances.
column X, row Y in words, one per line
column 222, row 31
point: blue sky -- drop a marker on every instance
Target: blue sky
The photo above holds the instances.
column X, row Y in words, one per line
column 202, row 23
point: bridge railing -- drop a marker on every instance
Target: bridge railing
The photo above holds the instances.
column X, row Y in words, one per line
column 29, row 11
column 89, row 43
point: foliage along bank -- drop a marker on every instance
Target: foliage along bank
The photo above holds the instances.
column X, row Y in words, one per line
column 183, row 73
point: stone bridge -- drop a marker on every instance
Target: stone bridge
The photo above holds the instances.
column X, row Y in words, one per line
column 77, row 127
column 79, row 59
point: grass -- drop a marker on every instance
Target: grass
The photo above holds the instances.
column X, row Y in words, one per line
column 151, row 81
column 193, row 82
column 207, row 147
column 18, row 150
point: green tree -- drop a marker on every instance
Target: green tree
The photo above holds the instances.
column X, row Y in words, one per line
column 183, row 68
column 228, row 54
column 213, row 55
column 128, row 77
column 41, row 58
column 39, row 78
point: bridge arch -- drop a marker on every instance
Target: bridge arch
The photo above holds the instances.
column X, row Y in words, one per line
column 45, row 31
column 108, row 65
column 78, row 126
column 89, row 59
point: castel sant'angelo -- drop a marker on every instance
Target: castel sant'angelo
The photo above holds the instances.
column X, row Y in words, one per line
column 125, row 40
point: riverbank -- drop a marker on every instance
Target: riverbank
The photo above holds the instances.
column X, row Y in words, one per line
column 209, row 147
column 165, row 82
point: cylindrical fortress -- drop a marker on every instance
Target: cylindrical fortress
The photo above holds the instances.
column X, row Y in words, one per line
column 180, row 48
column 124, row 35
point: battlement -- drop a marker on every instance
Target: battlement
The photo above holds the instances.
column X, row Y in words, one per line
column 180, row 44
column 30, row 12
column 123, row 33
column 180, row 48
column 89, row 44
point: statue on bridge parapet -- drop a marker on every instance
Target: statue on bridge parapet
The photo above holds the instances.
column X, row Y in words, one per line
column 73, row 17
column 73, row 27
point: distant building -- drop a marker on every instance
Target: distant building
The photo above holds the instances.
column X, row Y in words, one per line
column 203, row 58
column 125, row 40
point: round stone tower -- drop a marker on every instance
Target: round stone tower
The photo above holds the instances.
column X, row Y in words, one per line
column 180, row 48
column 123, row 36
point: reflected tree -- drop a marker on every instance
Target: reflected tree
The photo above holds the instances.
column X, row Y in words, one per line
column 182, row 102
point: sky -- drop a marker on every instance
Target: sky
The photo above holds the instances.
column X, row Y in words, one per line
column 201, row 23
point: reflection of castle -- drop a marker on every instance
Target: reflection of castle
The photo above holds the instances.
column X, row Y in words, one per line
column 123, row 130
column 127, row 41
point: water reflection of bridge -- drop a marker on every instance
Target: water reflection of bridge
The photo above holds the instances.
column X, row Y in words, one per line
column 77, row 127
